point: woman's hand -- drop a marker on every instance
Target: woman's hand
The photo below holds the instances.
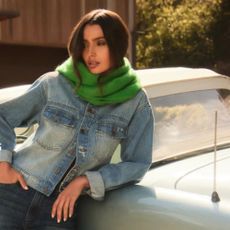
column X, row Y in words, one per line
column 9, row 175
column 63, row 207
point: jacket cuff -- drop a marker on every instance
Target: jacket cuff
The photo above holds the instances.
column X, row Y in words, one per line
column 97, row 187
column 6, row 155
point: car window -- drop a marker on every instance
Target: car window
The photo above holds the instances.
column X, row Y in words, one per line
column 185, row 122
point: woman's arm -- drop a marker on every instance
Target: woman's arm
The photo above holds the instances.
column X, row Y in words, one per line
column 136, row 156
column 21, row 111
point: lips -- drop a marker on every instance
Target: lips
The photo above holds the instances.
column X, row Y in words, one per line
column 92, row 64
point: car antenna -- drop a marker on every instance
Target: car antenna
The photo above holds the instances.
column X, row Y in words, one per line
column 215, row 196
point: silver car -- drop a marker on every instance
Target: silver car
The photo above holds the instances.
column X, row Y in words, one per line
column 188, row 185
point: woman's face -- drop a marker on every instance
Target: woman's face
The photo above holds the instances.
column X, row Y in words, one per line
column 96, row 53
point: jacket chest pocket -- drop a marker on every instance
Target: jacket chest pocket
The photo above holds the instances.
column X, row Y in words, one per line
column 107, row 138
column 111, row 131
column 56, row 129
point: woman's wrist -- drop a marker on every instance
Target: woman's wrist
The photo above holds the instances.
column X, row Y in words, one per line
column 5, row 164
column 83, row 180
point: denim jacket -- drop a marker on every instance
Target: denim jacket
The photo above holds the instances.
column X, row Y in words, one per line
column 75, row 137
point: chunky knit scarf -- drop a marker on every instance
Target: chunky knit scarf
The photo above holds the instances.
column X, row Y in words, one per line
column 119, row 85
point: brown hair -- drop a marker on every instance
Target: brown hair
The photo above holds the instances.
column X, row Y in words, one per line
column 114, row 29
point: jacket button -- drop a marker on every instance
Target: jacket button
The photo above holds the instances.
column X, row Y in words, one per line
column 90, row 110
column 83, row 131
column 113, row 131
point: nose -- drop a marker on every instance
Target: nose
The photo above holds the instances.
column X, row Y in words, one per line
column 92, row 51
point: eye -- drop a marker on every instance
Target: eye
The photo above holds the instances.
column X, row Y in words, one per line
column 101, row 42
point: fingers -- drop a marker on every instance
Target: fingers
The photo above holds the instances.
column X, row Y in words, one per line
column 22, row 182
column 59, row 210
column 54, row 208
column 58, row 207
column 63, row 208
column 66, row 210
column 71, row 208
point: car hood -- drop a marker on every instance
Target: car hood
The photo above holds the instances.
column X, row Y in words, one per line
column 194, row 174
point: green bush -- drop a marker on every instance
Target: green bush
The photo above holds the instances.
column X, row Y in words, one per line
column 175, row 32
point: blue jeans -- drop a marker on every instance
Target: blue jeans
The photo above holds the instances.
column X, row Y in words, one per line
column 29, row 210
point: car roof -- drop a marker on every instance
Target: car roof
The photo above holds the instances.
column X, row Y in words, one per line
column 165, row 81
column 12, row 92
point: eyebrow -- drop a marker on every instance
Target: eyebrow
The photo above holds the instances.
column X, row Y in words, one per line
column 95, row 39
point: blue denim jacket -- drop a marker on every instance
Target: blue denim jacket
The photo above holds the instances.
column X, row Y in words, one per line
column 75, row 137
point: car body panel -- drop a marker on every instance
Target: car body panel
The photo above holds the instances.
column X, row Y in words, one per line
column 144, row 207
column 195, row 174
column 174, row 196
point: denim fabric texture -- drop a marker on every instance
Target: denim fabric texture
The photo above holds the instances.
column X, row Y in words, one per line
column 72, row 130
column 20, row 209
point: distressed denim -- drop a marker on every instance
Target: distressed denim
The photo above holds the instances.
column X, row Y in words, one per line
column 74, row 132
column 29, row 210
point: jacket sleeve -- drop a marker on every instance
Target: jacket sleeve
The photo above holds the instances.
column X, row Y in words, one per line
column 136, row 156
column 21, row 111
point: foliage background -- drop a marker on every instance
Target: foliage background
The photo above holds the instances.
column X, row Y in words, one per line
column 192, row 33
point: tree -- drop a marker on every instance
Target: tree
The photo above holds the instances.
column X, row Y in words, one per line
column 176, row 32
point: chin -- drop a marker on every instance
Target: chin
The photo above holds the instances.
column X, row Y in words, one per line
column 95, row 72
column 99, row 71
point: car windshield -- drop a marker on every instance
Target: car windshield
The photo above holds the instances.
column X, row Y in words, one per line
column 185, row 122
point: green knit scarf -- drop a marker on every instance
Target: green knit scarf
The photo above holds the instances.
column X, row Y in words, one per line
column 119, row 85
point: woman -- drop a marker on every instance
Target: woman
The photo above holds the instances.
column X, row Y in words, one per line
column 84, row 109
